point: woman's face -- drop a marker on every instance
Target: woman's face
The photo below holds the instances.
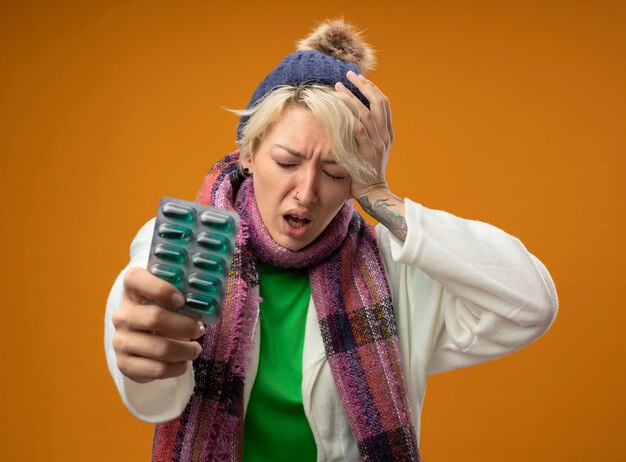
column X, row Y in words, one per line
column 299, row 186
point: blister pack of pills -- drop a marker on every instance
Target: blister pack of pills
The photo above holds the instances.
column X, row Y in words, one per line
column 192, row 248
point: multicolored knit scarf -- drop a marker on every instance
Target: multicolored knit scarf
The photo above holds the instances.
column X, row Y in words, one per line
column 353, row 302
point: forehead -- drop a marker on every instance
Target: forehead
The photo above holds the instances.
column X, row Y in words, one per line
column 299, row 129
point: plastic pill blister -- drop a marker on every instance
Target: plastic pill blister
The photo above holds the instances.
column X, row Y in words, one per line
column 192, row 248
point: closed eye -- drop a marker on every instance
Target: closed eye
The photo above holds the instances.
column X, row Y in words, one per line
column 285, row 165
column 334, row 177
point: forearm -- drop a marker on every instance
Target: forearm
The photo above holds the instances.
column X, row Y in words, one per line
column 387, row 208
column 159, row 400
column 477, row 286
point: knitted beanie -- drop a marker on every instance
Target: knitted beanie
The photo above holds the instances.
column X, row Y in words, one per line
column 322, row 58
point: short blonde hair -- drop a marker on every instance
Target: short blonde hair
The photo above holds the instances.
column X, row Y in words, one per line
column 336, row 112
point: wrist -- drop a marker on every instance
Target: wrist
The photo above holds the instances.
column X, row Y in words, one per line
column 371, row 191
column 387, row 208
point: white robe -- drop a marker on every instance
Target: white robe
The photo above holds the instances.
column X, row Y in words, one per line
column 464, row 292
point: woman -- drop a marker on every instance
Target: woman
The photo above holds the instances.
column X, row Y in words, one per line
column 329, row 327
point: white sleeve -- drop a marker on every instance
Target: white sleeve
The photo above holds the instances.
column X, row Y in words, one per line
column 160, row 400
column 487, row 295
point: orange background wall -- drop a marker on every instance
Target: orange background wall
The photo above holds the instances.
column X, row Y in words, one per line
column 512, row 113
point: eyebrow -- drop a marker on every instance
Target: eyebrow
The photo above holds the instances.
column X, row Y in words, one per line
column 300, row 155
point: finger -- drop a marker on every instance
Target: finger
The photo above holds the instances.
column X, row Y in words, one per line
column 365, row 118
column 154, row 318
column 141, row 285
column 365, row 86
column 155, row 347
column 389, row 123
column 385, row 107
column 144, row 370
column 379, row 103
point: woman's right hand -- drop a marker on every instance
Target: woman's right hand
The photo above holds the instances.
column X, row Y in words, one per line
column 151, row 342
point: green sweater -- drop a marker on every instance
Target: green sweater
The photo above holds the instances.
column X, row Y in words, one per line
column 276, row 428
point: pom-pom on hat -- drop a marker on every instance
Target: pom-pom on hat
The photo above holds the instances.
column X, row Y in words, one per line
column 323, row 58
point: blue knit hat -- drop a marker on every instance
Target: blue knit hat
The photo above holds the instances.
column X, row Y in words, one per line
column 323, row 58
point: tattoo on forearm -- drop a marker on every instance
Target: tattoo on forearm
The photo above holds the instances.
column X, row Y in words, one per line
column 383, row 211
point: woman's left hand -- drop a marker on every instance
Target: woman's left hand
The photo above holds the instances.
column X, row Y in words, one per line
column 374, row 132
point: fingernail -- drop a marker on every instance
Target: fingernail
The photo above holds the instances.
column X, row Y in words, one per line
column 340, row 86
column 201, row 326
column 352, row 73
column 177, row 300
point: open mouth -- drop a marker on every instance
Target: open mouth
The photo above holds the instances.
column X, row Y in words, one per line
column 296, row 221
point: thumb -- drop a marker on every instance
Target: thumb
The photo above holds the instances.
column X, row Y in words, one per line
column 141, row 286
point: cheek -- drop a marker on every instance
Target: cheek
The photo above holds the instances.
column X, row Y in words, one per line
column 260, row 191
column 343, row 193
column 337, row 200
column 267, row 199
column 265, row 183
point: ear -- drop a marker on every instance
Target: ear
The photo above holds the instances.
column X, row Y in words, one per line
column 247, row 163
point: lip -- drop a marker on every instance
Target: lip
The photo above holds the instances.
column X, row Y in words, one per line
column 299, row 232
column 300, row 214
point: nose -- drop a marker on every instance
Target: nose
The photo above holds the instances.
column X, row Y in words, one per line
column 306, row 187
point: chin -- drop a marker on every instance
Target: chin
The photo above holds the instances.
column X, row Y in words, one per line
column 294, row 246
